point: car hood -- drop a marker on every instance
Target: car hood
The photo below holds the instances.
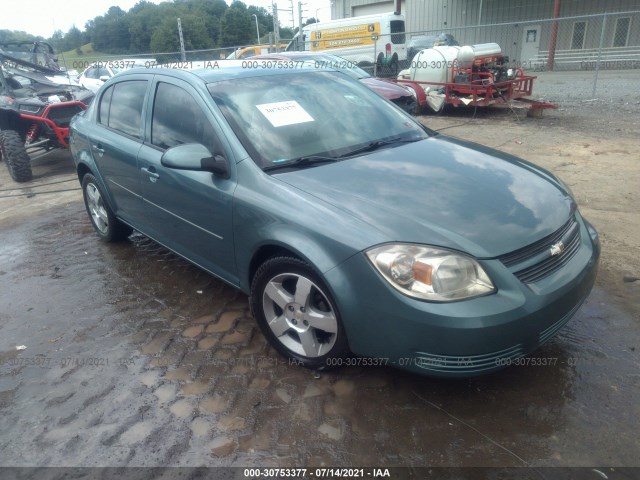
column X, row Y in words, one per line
column 443, row 192
column 388, row 90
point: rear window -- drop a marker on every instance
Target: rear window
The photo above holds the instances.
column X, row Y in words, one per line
column 397, row 32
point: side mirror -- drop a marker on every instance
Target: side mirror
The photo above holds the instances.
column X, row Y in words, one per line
column 104, row 78
column 194, row 156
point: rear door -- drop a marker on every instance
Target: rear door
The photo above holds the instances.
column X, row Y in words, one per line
column 115, row 143
column 188, row 211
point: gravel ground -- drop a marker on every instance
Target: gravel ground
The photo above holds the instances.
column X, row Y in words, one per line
column 136, row 358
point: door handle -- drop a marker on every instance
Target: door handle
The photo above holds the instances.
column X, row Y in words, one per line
column 99, row 149
column 153, row 176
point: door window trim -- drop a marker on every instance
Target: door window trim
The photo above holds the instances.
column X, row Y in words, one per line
column 143, row 118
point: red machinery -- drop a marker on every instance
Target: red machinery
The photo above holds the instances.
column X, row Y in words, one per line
column 475, row 75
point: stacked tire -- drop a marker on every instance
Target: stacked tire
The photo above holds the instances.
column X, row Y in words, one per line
column 13, row 153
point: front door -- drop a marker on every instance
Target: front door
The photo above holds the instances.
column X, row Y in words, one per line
column 188, row 211
column 530, row 44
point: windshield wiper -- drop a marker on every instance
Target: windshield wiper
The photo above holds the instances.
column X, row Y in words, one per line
column 379, row 144
column 301, row 162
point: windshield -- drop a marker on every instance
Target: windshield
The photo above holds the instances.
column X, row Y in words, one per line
column 281, row 118
column 28, row 54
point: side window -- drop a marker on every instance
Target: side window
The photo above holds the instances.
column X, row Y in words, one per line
column 125, row 113
column 91, row 73
column 178, row 119
column 103, row 72
column 248, row 53
column 103, row 110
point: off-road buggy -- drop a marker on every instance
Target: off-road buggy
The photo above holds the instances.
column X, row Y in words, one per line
column 37, row 101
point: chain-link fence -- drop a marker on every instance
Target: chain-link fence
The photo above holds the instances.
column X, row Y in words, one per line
column 580, row 57
column 591, row 56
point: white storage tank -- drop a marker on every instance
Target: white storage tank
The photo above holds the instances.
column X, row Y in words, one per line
column 434, row 64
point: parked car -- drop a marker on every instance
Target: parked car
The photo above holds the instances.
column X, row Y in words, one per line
column 404, row 97
column 99, row 72
column 420, row 42
column 353, row 228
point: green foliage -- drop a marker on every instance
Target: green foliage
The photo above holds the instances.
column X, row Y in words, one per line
column 16, row 36
column 165, row 38
column 237, row 25
column 152, row 28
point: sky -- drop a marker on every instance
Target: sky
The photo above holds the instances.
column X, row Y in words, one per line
column 41, row 17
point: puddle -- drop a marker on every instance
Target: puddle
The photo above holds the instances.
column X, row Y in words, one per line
column 172, row 367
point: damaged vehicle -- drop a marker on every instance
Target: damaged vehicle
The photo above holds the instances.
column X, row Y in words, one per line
column 37, row 101
column 361, row 237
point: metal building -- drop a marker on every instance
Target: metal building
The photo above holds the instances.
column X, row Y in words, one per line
column 586, row 28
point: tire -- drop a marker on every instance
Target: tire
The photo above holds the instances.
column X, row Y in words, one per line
column 394, row 66
column 15, row 156
column 104, row 222
column 297, row 315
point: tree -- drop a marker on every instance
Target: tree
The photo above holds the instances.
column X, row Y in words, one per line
column 145, row 17
column 236, row 26
column 71, row 40
column 166, row 39
column 111, row 31
column 17, row 36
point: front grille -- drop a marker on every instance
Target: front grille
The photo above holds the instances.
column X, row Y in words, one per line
column 467, row 363
column 62, row 114
column 525, row 253
column 551, row 264
column 569, row 234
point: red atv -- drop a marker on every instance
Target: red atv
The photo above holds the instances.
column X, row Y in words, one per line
column 37, row 101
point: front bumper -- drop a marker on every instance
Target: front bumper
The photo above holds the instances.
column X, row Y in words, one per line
column 463, row 338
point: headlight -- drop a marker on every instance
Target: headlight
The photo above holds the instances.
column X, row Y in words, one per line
column 430, row 273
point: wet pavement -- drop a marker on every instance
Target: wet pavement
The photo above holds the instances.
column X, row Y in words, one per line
column 136, row 358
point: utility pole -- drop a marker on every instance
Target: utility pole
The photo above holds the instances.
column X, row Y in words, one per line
column 300, row 42
column 183, row 54
column 257, row 28
column 276, row 25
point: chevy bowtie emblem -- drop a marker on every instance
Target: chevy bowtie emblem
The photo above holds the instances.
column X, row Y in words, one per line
column 557, row 248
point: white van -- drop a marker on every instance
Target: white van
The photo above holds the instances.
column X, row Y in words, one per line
column 365, row 40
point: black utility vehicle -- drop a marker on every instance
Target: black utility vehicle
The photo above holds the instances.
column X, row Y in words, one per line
column 37, row 101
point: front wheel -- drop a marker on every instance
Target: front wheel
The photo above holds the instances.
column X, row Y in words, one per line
column 105, row 223
column 296, row 313
column 15, row 156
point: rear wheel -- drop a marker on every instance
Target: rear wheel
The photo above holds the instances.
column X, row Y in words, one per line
column 296, row 313
column 15, row 156
column 105, row 223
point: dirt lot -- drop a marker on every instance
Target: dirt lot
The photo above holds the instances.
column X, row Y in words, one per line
column 135, row 358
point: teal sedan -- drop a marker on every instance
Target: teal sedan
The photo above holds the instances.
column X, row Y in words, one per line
column 360, row 236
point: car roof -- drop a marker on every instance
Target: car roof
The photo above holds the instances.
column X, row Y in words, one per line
column 219, row 70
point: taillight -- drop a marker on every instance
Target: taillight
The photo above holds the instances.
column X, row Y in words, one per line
column 387, row 48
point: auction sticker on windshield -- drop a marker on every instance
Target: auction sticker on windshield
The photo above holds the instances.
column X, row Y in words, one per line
column 284, row 113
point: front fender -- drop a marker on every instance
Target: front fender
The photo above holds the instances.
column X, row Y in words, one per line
column 269, row 212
